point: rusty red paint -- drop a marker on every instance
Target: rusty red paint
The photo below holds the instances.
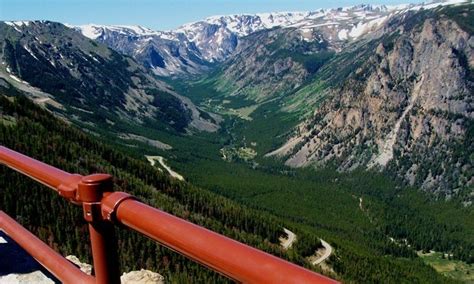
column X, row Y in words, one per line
column 229, row 257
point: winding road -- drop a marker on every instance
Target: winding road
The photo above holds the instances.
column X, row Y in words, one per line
column 160, row 159
column 286, row 243
column 327, row 253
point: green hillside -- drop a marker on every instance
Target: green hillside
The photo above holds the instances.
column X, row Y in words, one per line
column 30, row 130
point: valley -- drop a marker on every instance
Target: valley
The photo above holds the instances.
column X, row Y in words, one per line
column 335, row 131
column 321, row 201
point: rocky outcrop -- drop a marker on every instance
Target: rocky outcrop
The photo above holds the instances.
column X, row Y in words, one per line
column 406, row 109
column 84, row 267
column 142, row 276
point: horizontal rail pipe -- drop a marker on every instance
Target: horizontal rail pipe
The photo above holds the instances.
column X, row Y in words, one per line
column 55, row 263
column 229, row 257
column 43, row 173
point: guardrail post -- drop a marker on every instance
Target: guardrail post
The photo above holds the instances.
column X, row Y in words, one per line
column 90, row 191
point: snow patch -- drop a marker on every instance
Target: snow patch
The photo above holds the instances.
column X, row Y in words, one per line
column 52, row 62
column 362, row 28
column 12, row 24
column 342, row 34
column 90, row 31
column 15, row 78
column 17, row 23
column 30, row 52
column 94, row 31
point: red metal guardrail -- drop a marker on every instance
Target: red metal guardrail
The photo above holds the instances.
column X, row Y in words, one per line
column 103, row 208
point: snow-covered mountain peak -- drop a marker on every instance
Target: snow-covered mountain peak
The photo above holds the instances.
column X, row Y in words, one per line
column 244, row 24
column 94, row 31
column 18, row 23
column 349, row 18
column 215, row 38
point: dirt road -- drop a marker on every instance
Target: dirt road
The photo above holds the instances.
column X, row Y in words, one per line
column 161, row 160
column 327, row 253
column 286, row 243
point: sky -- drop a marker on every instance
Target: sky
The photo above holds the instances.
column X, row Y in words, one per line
column 157, row 14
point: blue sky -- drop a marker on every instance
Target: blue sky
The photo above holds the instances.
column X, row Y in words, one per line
column 156, row 14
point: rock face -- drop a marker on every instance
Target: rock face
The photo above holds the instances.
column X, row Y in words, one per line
column 32, row 277
column 276, row 61
column 406, row 106
column 84, row 267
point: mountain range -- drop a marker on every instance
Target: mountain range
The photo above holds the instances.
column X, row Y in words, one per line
column 89, row 83
column 191, row 48
column 405, row 104
column 374, row 87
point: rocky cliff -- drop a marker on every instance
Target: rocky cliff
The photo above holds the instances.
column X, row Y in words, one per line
column 406, row 106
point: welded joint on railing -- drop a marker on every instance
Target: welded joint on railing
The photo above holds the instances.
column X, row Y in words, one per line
column 95, row 194
column 68, row 189
column 85, row 189
column 110, row 203
column 90, row 191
